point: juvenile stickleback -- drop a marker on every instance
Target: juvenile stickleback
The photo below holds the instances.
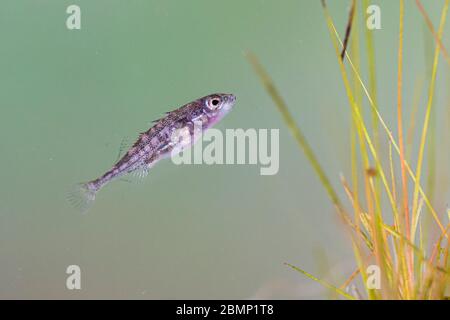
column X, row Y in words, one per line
column 157, row 143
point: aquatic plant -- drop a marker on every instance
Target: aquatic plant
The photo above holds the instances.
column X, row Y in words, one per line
column 393, row 225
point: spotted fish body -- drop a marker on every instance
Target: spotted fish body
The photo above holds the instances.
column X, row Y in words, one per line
column 158, row 142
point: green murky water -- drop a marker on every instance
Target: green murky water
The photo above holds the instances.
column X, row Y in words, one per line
column 68, row 97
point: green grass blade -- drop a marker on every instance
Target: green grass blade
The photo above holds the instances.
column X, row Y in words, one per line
column 295, row 130
column 322, row 282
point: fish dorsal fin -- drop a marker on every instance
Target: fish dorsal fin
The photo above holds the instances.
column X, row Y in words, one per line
column 125, row 144
column 163, row 117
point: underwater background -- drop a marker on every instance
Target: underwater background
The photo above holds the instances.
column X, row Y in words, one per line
column 69, row 97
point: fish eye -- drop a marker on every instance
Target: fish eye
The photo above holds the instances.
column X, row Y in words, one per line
column 213, row 103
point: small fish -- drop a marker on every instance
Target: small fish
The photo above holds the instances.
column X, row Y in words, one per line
column 158, row 142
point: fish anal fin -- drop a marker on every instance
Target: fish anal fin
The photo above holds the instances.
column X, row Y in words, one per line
column 137, row 175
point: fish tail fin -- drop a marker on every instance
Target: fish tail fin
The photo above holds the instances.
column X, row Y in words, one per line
column 82, row 196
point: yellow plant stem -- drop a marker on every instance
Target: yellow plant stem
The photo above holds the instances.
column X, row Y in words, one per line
column 428, row 112
column 362, row 131
column 407, row 228
column 322, row 282
column 394, row 143
column 302, row 142
column 295, row 130
column 373, row 89
column 433, row 31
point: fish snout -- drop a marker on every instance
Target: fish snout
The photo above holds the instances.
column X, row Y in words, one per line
column 231, row 98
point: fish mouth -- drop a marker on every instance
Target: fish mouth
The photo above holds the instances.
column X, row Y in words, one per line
column 229, row 103
column 230, row 99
